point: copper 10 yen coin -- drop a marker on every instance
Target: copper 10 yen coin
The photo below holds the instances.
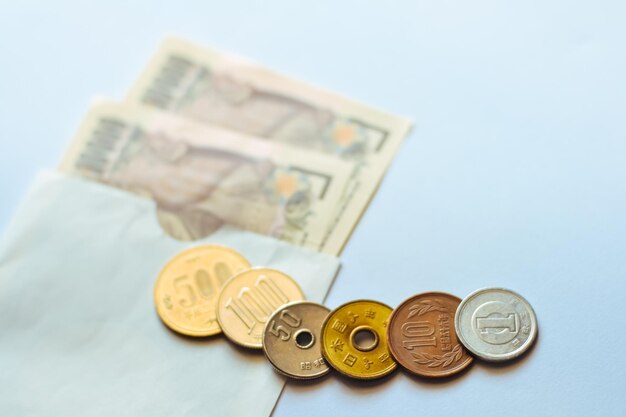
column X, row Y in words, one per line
column 188, row 286
column 248, row 300
column 422, row 337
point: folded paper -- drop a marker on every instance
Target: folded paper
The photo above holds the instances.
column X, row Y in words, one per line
column 79, row 334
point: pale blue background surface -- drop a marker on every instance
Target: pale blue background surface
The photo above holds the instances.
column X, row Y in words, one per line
column 514, row 175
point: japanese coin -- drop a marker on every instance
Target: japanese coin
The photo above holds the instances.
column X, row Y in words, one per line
column 354, row 339
column 187, row 288
column 496, row 324
column 422, row 337
column 249, row 298
column 291, row 340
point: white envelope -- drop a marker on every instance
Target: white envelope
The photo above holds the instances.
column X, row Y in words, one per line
column 79, row 335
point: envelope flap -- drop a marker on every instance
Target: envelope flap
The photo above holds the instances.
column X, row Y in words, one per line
column 77, row 269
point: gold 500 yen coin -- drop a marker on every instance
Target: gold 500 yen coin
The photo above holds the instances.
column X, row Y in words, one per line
column 291, row 340
column 249, row 298
column 187, row 289
column 354, row 339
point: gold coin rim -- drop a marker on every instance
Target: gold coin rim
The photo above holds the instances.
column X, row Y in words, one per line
column 170, row 324
column 360, row 376
column 219, row 302
column 290, row 304
column 411, row 371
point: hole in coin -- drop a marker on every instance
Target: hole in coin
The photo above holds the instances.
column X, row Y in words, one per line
column 304, row 339
column 364, row 338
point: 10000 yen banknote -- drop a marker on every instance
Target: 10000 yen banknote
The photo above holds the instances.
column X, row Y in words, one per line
column 203, row 177
column 222, row 90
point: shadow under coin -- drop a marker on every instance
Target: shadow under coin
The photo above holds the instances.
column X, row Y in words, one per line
column 254, row 355
column 438, row 382
column 194, row 341
column 305, row 383
column 510, row 365
column 249, row 354
column 362, row 384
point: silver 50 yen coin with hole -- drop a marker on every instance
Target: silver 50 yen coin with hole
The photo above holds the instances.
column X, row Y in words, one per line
column 291, row 340
column 496, row 324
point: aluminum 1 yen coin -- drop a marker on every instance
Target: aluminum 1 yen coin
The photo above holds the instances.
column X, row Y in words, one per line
column 188, row 286
column 354, row 340
column 496, row 324
column 291, row 340
column 249, row 298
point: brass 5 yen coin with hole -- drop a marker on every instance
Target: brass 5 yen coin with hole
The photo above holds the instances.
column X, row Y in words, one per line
column 354, row 340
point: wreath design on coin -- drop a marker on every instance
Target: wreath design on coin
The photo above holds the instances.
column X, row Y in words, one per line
column 424, row 307
column 434, row 361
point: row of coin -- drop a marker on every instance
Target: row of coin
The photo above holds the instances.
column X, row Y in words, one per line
column 208, row 289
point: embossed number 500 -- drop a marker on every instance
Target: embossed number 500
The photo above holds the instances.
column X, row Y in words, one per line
column 203, row 283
